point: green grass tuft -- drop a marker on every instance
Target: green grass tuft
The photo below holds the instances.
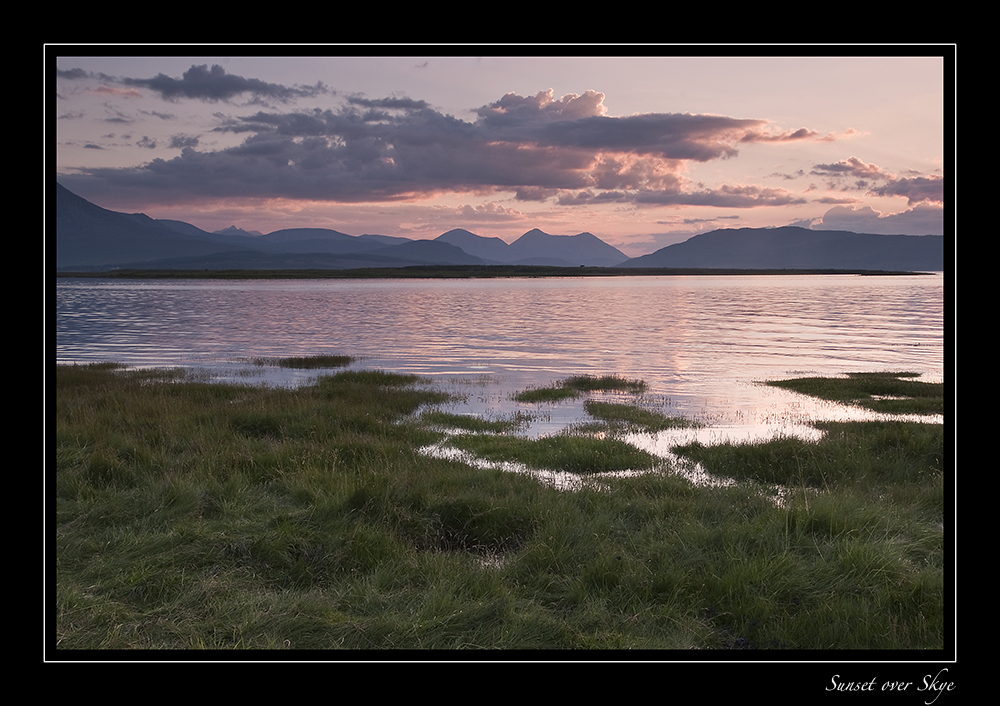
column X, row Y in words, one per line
column 630, row 417
column 307, row 362
column 574, row 454
column 577, row 385
column 476, row 424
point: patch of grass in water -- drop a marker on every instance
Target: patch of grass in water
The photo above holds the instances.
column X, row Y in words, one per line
column 577, row 385
column 604, row 383
column 625, row 416
column 545, row 394
column 473, row 423
column 574, row 454
column 886, row 392
column 307, row 362
column 871, row 453
column 861, row 454
column 379, row 378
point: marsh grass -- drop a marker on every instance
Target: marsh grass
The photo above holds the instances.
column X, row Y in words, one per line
column 630, row 417
column 220, row 516
column 465, row 422
column 848, row 453
column 306, row 362
column 888, row 392
column 568, row 453
column 577, row 385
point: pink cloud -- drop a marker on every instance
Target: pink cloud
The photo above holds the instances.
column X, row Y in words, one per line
column 119, row 92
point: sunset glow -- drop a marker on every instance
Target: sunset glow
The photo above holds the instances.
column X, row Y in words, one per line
column 642, row 151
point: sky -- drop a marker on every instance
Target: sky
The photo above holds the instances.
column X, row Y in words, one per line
column 641, row 146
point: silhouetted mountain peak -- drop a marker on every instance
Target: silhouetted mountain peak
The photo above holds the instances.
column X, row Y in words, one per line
column 233, row 230
column 581, row 249
column 460, row 233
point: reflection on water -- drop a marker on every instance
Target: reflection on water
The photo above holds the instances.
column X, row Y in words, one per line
column 702, row 343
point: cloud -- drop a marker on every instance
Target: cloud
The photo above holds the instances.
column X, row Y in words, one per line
column 402, row 103
column 515, row 110
column 923, row 219
column 118, row 92
column 491, row 212
column 537, row 147
column 182, row 141
column 916, row 189
column 852, row 167
column 855, row 174
column 799, row 135
column 72, row 74
column 725, row 196
column 790, row 136
column 212, row 84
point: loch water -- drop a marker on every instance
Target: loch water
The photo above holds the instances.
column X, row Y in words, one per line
column 702, row 343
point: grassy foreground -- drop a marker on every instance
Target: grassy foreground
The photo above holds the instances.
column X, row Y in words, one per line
column 190, row 515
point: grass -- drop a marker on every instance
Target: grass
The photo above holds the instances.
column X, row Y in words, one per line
column 306, row 362
column 577, row 385
column 198, row 516
column 888, row 392
column 629, row 417
column 475, row 424
column 850, row 453
column 572, row 454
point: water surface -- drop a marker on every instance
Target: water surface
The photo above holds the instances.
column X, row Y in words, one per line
column 702, row 343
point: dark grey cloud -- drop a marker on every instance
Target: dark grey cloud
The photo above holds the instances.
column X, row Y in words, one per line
column 671, row 136
column 581, row 121
column 203, row 83
column 538, row 147
column 396, row 103
column 182, row 141
column 72, row 74
column 214, row 84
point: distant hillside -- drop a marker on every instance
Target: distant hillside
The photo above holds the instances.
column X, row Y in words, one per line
column 799, row 248
column 91, row 238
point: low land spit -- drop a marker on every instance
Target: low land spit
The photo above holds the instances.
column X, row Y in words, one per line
column 459, row 272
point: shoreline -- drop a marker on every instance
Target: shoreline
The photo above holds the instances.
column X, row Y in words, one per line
column 463, row 272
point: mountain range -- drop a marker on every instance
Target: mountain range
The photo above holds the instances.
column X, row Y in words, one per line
column 91, row 238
